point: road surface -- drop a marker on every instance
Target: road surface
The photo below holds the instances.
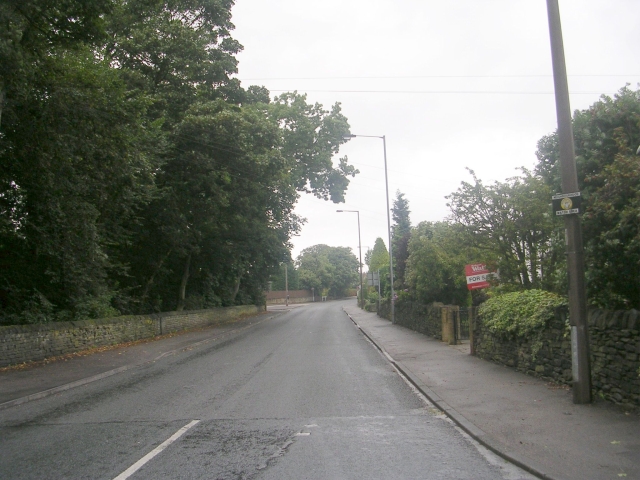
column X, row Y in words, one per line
column 303, row 395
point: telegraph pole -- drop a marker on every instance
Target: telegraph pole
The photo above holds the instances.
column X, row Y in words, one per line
column 581, row 369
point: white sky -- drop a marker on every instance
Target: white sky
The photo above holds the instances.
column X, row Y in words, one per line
column 451, row 84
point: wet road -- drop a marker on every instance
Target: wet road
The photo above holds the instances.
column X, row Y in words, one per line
column 300, row 396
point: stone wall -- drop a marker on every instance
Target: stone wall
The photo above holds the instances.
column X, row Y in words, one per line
column 426, row 319
column 25, row 343
column 614, row 342
column 295, row 296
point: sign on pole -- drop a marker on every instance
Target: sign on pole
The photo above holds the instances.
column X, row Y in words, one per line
column 373, row 279
column 477, row 276
column 566, row 203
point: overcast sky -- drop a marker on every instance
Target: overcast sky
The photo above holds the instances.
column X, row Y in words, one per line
column 451, row 84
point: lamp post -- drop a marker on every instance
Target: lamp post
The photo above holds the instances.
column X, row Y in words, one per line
column 386, row 181
column 286, row 285
column 360, row 251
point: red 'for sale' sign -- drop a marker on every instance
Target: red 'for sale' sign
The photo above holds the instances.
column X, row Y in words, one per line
column 476, row 276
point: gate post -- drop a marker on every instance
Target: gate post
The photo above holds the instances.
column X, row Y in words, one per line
column 448, row 330
column 472, row 326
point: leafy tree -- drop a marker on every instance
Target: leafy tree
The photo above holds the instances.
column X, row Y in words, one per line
column 292, row 276
column 177, row 51
column 435, row 267
column 377, row 260
column 311, row 136
column 510, row 223
column 74, row 171
column 134, row 173
column 613, row 234
column 607, row 135
column 328, row 268
column 378, row 257
column 400, row 233
column 229, row 188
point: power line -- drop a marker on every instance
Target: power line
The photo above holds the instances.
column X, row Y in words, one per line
column 444, row 92
column 399, row 77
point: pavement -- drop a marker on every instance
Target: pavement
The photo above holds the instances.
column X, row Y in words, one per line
column 526, row 420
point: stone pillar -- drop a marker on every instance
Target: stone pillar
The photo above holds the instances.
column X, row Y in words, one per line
column 448, row 332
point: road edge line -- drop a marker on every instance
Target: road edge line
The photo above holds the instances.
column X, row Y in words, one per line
column 460, row 420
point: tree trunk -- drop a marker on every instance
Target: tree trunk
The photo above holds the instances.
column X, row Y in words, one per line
column 1, row 101
column 183, row 284
column 145, row 292
column 236, row 288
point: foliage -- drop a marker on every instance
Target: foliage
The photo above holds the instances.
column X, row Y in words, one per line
column 292, row 277
column 377, row 260
column 378, row 257
column 400, row 232
column 325, row 268
column 135, row 175
column 435, row 267
column 520, row 314
column 510, row 222
column 607, row 135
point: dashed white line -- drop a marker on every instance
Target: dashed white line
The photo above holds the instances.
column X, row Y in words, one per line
column 140, row 463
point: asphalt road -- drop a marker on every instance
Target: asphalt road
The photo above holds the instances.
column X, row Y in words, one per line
column 303, row 395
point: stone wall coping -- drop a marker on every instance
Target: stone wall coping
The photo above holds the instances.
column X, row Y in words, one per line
column 622, row 319
column 53, row 326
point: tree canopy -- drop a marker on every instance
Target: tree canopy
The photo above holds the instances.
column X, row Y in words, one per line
column 510, row 222
column 378, row 257
column 328, row 269
column 607, row 135
column 400, row 232
column 135, row 174
column 510, row 225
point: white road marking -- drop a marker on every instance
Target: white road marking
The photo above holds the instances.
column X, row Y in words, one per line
column 140, row 463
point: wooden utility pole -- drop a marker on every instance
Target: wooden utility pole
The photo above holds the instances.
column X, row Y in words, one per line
column 573, row 230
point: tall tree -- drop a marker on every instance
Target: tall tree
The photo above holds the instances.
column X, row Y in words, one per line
column 379, row 256
column 607, row 135
column 511, row 223
column 435, row 267
column 400, row 233
column 76, row 161
column 229, row 184
column 325, row 268
column 377, row 260
column 176, row 51
column 134, row 173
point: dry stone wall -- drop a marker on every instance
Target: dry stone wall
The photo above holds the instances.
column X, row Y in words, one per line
column 426, row 319
column 26, row 343
column 614, row 342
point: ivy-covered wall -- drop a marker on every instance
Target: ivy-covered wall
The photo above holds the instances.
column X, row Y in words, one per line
column 614, row 339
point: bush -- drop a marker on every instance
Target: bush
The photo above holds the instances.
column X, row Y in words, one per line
column 520, row 314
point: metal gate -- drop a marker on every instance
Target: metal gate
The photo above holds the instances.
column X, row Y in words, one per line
column 462, row 319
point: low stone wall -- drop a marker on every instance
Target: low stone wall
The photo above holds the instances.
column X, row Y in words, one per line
column 426, row 319
column 276, row 297
column 614, row 342
column 26, row 343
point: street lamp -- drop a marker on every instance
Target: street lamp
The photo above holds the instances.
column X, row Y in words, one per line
column 386, row 181
column 360, row 250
